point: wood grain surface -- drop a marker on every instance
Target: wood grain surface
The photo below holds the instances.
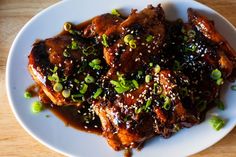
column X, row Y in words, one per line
column 14, row 141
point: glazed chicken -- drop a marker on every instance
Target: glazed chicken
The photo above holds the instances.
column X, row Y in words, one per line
column 141, row 75
column 57, row 65
column 150, row 22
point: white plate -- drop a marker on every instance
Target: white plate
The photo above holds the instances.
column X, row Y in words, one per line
column 52, row 131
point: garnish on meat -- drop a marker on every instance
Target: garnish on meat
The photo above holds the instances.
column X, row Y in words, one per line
column 141, row 75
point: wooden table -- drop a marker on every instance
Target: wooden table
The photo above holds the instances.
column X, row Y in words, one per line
column 14, row 141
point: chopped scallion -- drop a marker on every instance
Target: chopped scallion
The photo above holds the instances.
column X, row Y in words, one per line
column 54, row 78
column 74, row 45
column 89, row 79
column 66, row 53
column 83, row 89
column 123, row 85
column 151, row 64
column 96, row 61
column 216, row 74
column 157, row 69
column 57, row 87
column 219, row 81
column 148, row 78
column 148, row 104
column 149, row 38
column 128, row 38
column 37, row 107
column 139, row 110
column 135, row 83
column 104, row 40
column 77, row 97
column 115, row 12
column 97, row 93
column 167, row 103
column 54, row 69
column 76, row 81
column 27, row 95
column 217, row 123
column 132, row 44
column 66, row 93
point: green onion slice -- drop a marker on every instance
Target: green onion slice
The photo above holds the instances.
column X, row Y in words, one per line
column 157, row 69
column 66, row 53
column 148, row 78
column 217, row 123
column 89, row 79
column 139, row 110
column 128, row 38
column 132, row 44
column 97, row 93
column 76, row 81
column 96, row 61
column 83, row 89
column 167, row 103
column 95, row 64
column 27, row 95
column 216, row 74
column 57, row 87
column 148, row 104
column 36, row 107
column 54, row 69
column 135, row 83
column 66, row 93
column 219, row 81
column 115, row 12
column 74, row 45
column 54, row 78
column 149, row 38
column 77, row 97
column 104, row 40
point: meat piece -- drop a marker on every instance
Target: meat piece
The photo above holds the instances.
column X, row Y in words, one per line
column 60, row 62
column 150, row 22
column 227, row 54
column 119, row 127
column 136, row 116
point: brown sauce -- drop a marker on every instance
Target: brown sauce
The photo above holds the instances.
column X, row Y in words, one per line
column 81, row 118
column 75, row 118
column 128, row 153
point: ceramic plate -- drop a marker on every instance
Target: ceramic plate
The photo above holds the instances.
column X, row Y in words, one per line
column 53, row 133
